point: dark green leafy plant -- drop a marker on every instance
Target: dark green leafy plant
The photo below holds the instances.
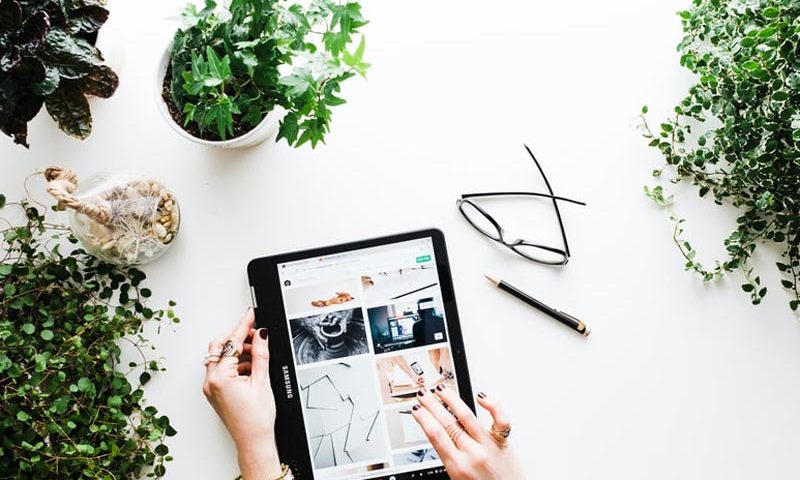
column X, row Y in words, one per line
column 232, row 66
column 47, row 57
column 747, row 57
column 67, row 407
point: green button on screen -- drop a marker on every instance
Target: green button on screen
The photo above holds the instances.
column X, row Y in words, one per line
column 423, row 259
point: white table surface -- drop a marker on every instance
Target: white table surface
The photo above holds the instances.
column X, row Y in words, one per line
column 678, row 380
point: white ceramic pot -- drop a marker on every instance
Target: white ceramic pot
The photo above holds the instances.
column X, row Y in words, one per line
column 265, row 130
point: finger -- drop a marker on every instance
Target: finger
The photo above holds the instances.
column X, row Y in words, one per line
column 260, row 356
column 214, row 347
column 462, row 412
column 238, row 335
column 436, row 433
column 500, row 420
column 446, row 419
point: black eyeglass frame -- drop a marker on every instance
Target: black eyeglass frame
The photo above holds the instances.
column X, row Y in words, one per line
column 500, row 234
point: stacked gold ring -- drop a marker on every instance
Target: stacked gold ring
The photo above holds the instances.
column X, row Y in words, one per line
column 211, row 357
column 454, row 430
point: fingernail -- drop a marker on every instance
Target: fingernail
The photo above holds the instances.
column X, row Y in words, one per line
column 440, row 387
column 421, row 393
column 415, row 407
column 263, row 333
column 481, row 395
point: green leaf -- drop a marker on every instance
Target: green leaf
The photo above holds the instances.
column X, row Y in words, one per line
column 101, row 82
column 49, row 84
column 771, row 12
column 47, row 335
column 249, row 58
column 298, row 84
column 114, row 401
column 60, row 405
column 70, row 109
column 23, row 416
column 289, row 128
column 84, row 384
column 72, row 56
column 88, row 19
column 28, row 328
column 253, row 116
column 751, row 65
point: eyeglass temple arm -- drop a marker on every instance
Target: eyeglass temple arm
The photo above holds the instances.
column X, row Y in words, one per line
column 555, row 203
column 529, row 194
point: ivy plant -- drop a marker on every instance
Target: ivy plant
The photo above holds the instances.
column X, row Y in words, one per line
column 68, row 407
column 47, row 57
column 746, row 56
column 231, row 66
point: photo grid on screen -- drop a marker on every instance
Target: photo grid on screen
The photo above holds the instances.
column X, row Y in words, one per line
column 368, row 332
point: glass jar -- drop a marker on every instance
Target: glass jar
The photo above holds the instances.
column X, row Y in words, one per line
column 122, row 218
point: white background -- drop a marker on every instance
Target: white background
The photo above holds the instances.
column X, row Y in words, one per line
column 678, row 379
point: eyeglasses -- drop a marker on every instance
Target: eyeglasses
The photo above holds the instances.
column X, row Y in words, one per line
column 484, row 223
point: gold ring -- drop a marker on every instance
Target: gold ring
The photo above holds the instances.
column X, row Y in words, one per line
column 501, row 436
column 228, row 350
column 454, row 430
column 210, row 357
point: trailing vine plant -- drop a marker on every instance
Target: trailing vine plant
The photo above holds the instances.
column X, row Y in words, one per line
column 68, row 408
column 747, row 57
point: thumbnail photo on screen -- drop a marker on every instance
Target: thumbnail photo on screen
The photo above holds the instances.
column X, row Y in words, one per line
column 412, row 323
column 344, row 422
column 322, row 297
column 328, row 336
column 401, row 376
column 416, row 456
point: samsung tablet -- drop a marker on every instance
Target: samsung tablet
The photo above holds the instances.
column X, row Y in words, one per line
column 355, row 331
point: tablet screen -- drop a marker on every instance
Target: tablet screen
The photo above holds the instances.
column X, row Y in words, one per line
column 368, row 331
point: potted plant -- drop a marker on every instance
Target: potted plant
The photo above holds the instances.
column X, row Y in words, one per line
column 235, row 74
column 48, row 57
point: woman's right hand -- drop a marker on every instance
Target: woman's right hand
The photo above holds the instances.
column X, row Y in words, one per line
column 468, row 450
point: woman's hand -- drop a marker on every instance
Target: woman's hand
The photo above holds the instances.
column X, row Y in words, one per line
column 240, row 392
column 468, row 450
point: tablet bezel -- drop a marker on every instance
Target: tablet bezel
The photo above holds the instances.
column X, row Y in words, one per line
column 268, row 304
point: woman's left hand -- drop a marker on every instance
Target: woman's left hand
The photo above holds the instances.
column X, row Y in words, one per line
column 239, row 389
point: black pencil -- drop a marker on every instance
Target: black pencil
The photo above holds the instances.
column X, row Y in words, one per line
column 562, row 317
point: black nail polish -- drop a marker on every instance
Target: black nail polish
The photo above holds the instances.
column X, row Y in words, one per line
column 481, row 395
column 415, row 407
column 421, row 393
column 440, row 387
column 263, row 333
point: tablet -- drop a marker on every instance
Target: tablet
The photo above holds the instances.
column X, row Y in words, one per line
column 355, row 331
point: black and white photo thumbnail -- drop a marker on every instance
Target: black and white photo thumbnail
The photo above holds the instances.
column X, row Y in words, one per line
column 328, row 336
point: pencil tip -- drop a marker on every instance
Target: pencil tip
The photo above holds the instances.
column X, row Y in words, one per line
column 492, row 279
